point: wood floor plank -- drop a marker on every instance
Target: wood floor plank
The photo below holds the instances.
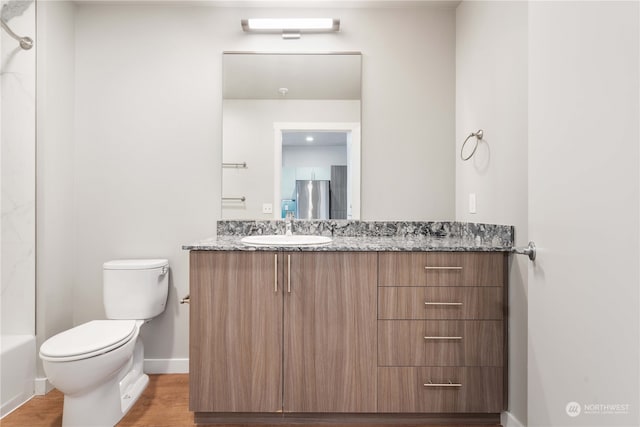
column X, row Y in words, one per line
column 40, row 411
column 164, row 403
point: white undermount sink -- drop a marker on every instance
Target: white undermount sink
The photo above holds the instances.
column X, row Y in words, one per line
column 284, row 240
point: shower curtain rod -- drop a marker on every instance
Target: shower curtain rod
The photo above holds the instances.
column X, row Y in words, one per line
column 25, row 42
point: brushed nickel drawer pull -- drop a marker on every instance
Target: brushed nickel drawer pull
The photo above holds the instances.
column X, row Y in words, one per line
column 442, row 338
column 443, row 303
column 449, row 384
column 289, row 273
column 442, row 268
column 275, row 273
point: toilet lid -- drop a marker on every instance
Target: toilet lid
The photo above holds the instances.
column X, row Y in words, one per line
column 88, row 340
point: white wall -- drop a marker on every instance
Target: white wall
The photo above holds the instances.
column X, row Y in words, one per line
column 147, row 162
column 148, row 130
column 56, row 231
column 247, row 129
column 491, row 94
column 408, row 111
column 300, row 156
column 17, row 72
column 584, row 212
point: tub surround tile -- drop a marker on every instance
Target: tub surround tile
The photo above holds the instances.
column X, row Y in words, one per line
column 18, row 176
column 367, row 236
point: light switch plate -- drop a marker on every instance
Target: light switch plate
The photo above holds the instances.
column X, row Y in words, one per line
column 267, row 208
column 472, row 203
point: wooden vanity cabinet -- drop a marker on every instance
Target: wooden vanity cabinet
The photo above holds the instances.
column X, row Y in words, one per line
column 283, row 332
column 280, row 335
column 441, row 332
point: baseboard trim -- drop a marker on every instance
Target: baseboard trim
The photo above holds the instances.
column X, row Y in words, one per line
column 508, row 420
column 42, row 386
column 166, row 366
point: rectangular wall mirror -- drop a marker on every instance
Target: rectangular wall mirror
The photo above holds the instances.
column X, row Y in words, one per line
column 291, row 135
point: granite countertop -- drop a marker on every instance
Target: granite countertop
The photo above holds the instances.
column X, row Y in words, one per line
column 358, row 236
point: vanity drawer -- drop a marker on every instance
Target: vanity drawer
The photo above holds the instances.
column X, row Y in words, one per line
column 440, row 343
column 444, row 390
column 441, row 269
column 455, row 302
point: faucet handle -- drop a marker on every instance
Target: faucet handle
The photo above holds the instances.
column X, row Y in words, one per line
column 288, row 223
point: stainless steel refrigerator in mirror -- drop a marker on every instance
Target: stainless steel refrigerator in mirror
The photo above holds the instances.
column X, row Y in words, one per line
column 313, row 199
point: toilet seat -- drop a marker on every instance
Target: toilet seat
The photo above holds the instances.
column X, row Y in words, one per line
column 88, row 340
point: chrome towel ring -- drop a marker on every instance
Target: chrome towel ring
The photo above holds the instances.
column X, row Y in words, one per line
column 479, row 134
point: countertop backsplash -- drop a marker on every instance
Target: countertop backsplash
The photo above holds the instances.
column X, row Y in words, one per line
column 502, row 235
column 369, row 235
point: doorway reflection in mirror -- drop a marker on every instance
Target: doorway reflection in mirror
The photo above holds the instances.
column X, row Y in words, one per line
column 314, row 174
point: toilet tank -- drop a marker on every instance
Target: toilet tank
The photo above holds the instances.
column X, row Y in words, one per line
column 135, row 288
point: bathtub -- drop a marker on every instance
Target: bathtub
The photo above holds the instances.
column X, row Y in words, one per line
column 17, row 370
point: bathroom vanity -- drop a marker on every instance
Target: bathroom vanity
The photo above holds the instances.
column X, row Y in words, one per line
column 408, row 323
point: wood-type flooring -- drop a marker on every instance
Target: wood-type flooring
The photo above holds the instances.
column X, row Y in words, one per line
column 164, row 403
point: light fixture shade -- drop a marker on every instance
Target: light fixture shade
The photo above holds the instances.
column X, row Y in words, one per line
column 290, row 25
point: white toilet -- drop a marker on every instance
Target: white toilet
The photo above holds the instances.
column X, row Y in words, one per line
column 98, row 365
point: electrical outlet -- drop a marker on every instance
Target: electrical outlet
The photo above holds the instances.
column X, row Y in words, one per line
column 267, row 208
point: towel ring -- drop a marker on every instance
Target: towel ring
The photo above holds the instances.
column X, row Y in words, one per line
column 479, row 134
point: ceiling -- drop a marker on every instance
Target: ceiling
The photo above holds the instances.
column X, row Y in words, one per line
column 324, row 139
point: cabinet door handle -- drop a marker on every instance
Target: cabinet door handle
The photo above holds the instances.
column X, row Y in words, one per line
column 449, row 384
column 442, row 338
column 442, row 268
column 275, row 273
column 443, row 303
column 289, row 273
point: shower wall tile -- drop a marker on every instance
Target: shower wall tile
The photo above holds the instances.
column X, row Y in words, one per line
column 17, row 124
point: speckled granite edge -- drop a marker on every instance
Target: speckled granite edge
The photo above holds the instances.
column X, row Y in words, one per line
column 494, row 235
column 359, row 244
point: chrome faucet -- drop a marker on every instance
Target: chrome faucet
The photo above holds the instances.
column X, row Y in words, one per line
column 288, row 223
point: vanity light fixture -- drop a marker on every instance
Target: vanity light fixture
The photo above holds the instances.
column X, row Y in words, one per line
column 290, row 28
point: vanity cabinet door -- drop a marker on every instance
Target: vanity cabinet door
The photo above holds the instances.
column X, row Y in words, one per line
column 330, row 332
column 235, row 360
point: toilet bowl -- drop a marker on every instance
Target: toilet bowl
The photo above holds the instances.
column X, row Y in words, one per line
column 92, row 381
column 98, row 365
